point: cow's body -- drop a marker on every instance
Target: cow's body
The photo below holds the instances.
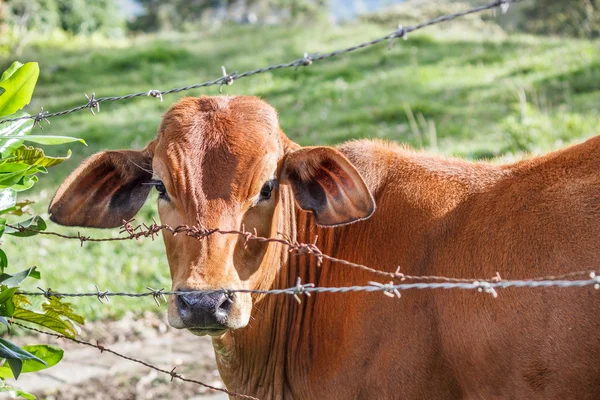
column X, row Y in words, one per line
column 434, row 216
column 447, row 218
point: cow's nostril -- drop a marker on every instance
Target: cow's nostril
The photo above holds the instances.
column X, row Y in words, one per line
column 182, row 303
column 224, row 308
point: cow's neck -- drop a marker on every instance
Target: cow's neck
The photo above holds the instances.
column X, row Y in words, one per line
column 256, row 358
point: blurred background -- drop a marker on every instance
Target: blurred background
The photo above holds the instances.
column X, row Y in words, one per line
column 490, row 86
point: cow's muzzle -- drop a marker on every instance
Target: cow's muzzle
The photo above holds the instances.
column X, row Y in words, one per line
column 204, row 313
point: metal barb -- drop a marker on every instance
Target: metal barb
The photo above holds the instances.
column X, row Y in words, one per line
column 504, row 6
column 388, row 289
column 82, row 238
column 226, row 79
column 399, row 275
column 102, row 296
column 92, row 103
column 596, row 278
column 128, row 227
column 486, row 287
column 305, row 61
column 38, row 118
column 157, row 295
column 301, row 289
column 47, row 293
column 400, row 32
column 229, row 294
column 155, row 93
column 100, row 347
column 174, row 374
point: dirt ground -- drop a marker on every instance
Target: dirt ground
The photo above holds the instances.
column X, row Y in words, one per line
column 85, row 373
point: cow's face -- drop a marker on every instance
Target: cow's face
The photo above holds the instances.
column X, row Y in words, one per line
column 219, row 162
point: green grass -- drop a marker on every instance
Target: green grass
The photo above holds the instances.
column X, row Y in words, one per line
column 486, row 96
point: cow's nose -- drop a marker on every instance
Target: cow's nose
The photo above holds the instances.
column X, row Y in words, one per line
column 204, row 310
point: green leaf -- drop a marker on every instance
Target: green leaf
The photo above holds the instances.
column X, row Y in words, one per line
column 32, row 224
column 10, row 350
column 24, row 183
column 18, row 87
column 17, row 392
column 11, row 70
column 48, row 321
column 8, row 199
column 34, row 169
column 14, row 129
column 6, row 293
column 15, row 366
column 11, row 174
column 8, row 309
column 55, row 306
column 50, row 354
column 45, row 139
column 16, row 279
column 3, row 261
column 33, row 156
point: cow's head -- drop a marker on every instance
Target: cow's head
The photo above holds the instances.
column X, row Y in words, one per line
column 216, row 162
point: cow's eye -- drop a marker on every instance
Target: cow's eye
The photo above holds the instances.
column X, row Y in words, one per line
column 161, row 189
column 267, row 189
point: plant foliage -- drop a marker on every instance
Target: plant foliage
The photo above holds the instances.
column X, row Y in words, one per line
column 580, row 18
column 19, row 168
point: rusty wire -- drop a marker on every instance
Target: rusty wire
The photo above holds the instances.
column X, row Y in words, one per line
column 152, row 230
column 227, row 79
column 172, row 373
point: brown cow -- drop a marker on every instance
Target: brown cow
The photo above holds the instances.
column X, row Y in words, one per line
column 224, row 162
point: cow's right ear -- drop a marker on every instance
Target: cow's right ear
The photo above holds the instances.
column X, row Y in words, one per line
column 104, row 190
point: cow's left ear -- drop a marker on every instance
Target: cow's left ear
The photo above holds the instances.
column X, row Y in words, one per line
column 327, row 184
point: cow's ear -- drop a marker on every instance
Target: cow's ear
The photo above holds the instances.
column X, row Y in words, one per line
column 327, row 184
column 104, row 190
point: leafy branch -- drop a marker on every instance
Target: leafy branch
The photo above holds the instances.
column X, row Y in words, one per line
column 20, row 165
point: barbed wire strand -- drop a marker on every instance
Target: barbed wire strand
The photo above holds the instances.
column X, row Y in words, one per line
column 199, row 233
column 481, row 286
column 308, row 59
column 103, row 349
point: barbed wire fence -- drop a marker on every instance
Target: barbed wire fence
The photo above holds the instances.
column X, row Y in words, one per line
column 306, row 60
column 486, row 285
column 398, row 281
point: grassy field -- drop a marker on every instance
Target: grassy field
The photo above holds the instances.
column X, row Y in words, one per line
column 465, row 94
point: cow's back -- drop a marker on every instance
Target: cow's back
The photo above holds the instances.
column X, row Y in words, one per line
column 451, row 218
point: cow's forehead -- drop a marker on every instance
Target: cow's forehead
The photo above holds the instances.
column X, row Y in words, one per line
column 240, row 125
column 218, row 145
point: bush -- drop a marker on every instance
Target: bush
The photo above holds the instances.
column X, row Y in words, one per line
column 19, row 166
column 20, row 19
column 580, row 18
column 413, row 12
